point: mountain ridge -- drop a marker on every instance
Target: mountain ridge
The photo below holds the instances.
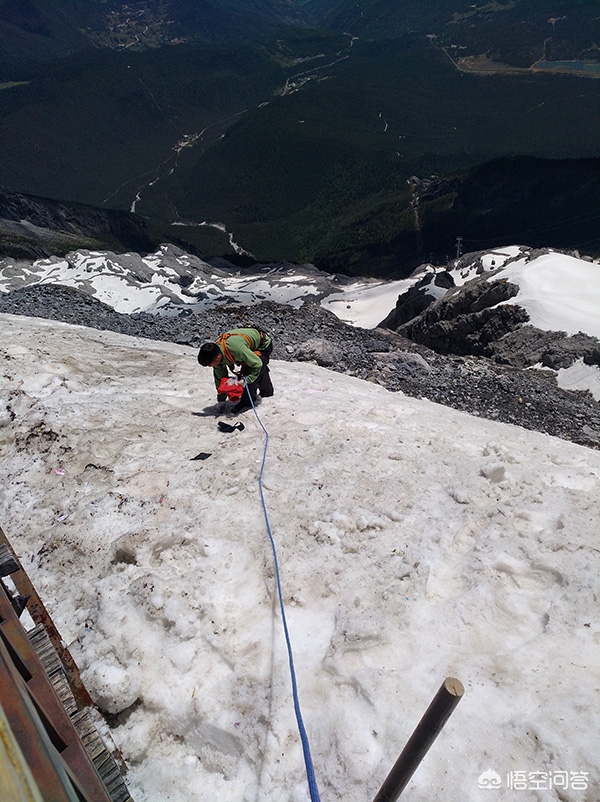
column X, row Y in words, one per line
column 34, row 227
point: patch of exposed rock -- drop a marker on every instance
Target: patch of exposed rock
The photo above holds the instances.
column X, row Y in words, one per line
column 553, row 349
column 418, row 298
column 466, row 319
column 475, row 319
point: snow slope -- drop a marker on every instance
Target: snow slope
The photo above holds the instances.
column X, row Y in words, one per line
column 415, row 543
column 559, row 292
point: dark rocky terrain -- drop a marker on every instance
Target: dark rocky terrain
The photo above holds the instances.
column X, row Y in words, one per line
column 473, row 320
column 475, row 384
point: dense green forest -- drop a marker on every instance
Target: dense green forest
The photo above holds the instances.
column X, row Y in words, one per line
column 308, row 129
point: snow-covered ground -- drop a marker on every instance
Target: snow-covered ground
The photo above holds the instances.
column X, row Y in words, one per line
column 559, row 292
column 366, row 303
column 415, row 542
column 488, row 261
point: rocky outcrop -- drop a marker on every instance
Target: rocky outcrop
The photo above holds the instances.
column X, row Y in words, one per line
column 418, row 298
column 467, row 319
column 475, row 320
column 529, row 346
column 321, row 351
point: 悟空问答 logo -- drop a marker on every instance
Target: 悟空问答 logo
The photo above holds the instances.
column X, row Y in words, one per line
column 489, row 779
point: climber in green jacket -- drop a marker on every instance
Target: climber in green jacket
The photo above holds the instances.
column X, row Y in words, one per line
column 244, row 352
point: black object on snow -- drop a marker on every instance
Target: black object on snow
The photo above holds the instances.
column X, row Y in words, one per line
column 227, row 427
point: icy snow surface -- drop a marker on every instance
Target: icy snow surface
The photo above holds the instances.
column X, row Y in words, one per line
column 560, row 293
column 366, row 303
column 415, row 543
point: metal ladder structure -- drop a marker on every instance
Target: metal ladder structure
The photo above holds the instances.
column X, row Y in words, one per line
column 50, row 750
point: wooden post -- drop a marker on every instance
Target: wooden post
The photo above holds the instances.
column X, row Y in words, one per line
column 430, row 726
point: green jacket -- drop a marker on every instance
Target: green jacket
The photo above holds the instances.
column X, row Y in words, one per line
column 237, row 350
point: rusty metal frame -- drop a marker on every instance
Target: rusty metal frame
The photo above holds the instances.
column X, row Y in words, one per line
column 46, row 735
column 40, row 615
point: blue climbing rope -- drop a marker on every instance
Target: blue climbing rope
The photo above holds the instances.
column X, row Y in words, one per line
column 310, row 771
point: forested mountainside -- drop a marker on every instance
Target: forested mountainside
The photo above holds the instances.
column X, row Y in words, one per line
column 362, row 138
